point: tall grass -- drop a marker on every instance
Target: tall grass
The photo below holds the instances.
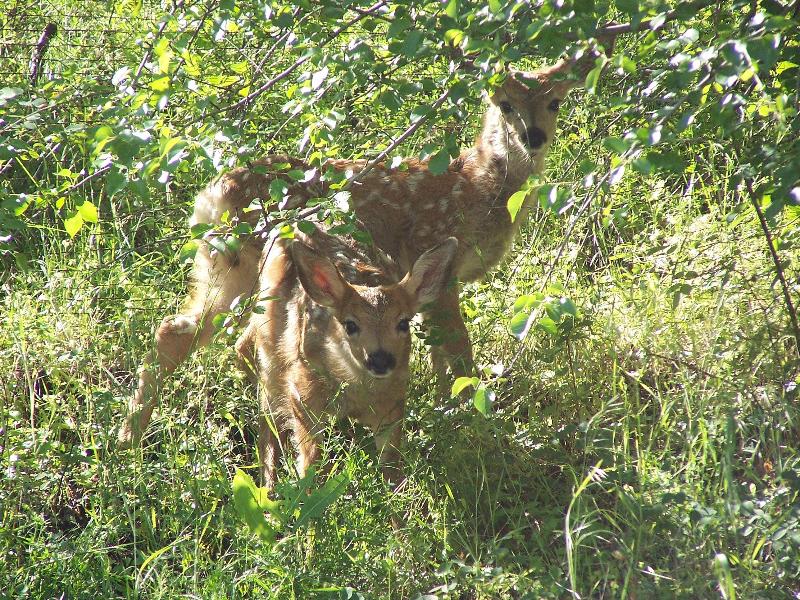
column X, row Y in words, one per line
column 651, row 453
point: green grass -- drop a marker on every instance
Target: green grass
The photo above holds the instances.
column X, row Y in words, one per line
column 618, row 462
column 650, row 453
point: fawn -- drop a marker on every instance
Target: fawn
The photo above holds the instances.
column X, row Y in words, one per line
column 334, row 338
column 406, row 211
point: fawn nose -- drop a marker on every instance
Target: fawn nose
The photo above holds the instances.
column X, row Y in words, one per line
column 380, row 362
column 535, row 137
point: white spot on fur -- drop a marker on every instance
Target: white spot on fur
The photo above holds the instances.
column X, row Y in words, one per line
column 414, row 181
column 444, row 203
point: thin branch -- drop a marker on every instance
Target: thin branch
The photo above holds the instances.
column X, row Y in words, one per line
column 301, row 61
column 787, row 297
column 399, row 140
column 149, row 52
column 87, row 179
column 615, row 29
column 39, row 51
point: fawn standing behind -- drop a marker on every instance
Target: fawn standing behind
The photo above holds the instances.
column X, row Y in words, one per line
column 406, row 211
column 333, row 338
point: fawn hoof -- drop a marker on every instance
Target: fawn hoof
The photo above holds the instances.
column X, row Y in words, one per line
column 129, row 435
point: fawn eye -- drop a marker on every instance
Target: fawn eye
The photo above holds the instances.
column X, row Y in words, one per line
column 403, row 326
column 554, row 104
column 505, row 106
column 350, row 327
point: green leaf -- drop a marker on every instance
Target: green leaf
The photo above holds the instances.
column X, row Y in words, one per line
column 188, row 250
column 250, row 501
column 307, row 227
column 412, row 43
column 462, row 383
column 88, row 211
column 524, row 309
column 515, row 202
column 278, row 189
column 320, row 499
column 200, row 229
column 496, row 6
column 439, row 162
column 452, row 9
column 627, row 6
column 7, row 93
column 616, row 144
column 593, row 77
column 520, row 324
column 73, row 224
column 483, row 399
column 115, row 181
column 453, row 37
column 161, row 84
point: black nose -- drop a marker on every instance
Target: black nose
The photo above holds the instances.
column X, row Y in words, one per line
column 535, row 137
column 380, row 362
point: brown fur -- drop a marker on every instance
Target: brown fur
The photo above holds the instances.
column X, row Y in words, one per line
column 307, row 362
column 405, row 210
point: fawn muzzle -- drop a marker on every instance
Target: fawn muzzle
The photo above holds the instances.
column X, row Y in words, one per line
column 535, row 138
column 381, row 363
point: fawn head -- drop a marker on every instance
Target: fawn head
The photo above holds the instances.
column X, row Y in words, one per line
column 529, row 101
column 370, row 326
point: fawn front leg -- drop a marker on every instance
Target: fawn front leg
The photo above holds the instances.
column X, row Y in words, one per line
column 388, row 442
column 307, row 426
column 456, row 350
column 387, row 429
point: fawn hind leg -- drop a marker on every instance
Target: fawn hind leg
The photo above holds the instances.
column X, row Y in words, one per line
column 218, row 281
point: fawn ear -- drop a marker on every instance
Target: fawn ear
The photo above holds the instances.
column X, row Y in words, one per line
column 431, row 273
column 319, row 277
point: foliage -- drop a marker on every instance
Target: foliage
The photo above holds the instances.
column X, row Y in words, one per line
column 634, row 426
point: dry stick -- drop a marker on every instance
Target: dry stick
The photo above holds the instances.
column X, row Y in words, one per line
column 161, row 29
column 39, row 50
column 778, row 268
column 35, row 65
column 617, row 29
column 301, row 61
column 87, row 179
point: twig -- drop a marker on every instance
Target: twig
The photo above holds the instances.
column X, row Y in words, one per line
column 39, row 50
column 399, row 140
column 301, row 61
column 87, row 179
column 617, row 29
column 787, row 297
column 161, row 29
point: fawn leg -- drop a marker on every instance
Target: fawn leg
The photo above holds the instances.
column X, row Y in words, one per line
column 307, row 427
column 218, row 282
column 388, row 442
column 456, row 350
column 270, row 446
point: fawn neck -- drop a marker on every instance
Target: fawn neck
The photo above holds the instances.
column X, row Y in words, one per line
column 499, row 158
